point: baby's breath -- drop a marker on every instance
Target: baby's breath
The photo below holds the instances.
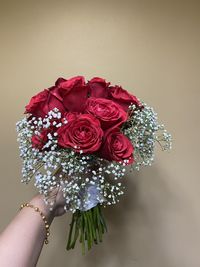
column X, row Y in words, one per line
column 85, row 177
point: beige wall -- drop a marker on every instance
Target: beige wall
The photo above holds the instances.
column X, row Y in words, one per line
column 149, row 47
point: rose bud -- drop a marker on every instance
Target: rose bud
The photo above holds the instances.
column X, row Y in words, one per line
column 98, row 87
column 43, row 102
column 122, row 97
column 39, row 140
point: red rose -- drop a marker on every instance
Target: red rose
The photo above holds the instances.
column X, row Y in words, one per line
column 109, row 113
column 117, row 147
column 82, row 132
column 122, row 97
column 55, row 89
column 43, row 102
column 38, row 141
column 59, row 80
column 69, row 116
column 98, row 87
column 74, row 93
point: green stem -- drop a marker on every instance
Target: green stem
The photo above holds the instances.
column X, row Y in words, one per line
column 92, row 224
column 102, row 218
column 76, row 233
column 96, row 223
column 82, row 234
column 88, row 234
column 99, row 226
column 70, row 233
column 89, row 226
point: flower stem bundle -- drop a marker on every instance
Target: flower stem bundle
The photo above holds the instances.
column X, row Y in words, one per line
column 88, row 227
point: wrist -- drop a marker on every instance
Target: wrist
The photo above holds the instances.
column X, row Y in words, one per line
column 39, row 202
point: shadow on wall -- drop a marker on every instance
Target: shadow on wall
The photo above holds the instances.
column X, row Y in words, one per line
column 135, row 226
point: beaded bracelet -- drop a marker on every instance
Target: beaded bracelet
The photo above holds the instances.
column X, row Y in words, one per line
column 43, row 218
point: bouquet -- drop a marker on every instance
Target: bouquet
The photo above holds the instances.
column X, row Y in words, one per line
column 80, row 136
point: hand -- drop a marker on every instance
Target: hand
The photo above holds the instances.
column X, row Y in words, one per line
column 56, row 197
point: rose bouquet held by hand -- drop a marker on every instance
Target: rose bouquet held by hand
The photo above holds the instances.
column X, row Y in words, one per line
column 79, row 136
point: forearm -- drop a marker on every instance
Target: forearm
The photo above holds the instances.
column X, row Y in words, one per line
column 21, row 242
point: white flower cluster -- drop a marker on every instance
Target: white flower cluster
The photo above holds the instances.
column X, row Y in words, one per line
column 86, row 179
column 143, row 129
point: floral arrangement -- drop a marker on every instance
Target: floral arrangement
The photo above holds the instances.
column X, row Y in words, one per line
column 80, row 136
